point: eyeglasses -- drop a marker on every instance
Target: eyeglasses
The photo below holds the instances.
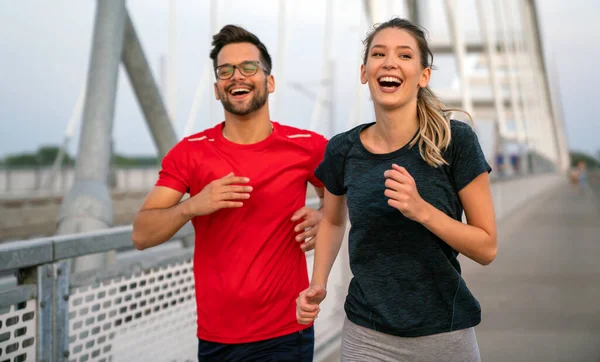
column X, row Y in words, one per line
column 247, row 68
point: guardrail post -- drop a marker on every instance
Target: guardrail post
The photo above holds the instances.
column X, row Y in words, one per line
column 61, row 305
column 45, row 308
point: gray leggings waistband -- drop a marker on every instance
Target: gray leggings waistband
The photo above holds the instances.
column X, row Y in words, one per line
column 360, row 344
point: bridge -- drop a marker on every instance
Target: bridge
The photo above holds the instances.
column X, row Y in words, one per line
column 72, row 288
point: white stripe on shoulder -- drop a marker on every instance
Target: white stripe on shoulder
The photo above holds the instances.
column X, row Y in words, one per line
column 299, row 135
column 197, row 139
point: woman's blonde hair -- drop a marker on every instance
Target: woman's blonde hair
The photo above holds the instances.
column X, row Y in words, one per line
column 434, row 117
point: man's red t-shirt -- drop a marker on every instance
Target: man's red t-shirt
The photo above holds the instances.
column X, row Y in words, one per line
column 248, row 267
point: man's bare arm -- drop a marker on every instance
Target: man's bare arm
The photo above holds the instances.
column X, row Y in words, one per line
column 162, row 215
column 159, row 218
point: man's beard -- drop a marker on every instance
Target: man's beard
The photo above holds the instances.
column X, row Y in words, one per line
column 258, row 100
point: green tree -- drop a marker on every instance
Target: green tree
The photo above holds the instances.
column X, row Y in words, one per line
column 44, row 156
column 577, row 156
column 22, row 159
column 47, row 154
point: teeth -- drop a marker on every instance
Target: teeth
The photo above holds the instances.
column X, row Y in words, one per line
column 239, row 90
column 390, row 80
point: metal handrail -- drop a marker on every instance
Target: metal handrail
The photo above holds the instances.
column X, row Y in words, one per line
column 26, row 253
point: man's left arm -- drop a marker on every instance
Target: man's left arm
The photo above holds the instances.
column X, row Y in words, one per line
column 309, row 222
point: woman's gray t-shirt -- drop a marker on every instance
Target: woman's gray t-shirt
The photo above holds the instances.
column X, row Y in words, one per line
column 406, row 281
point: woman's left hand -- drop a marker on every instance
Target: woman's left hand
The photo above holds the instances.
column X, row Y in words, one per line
column 401, row 190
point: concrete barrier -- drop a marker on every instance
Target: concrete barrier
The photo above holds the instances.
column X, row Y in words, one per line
column 28, row 182
column 510, row 194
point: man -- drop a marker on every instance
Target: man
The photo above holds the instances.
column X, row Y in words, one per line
column 247, row 180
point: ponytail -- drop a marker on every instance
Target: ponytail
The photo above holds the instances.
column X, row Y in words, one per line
column 434, row 127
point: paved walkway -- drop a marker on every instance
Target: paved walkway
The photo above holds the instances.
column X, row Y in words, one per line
column 541, row 296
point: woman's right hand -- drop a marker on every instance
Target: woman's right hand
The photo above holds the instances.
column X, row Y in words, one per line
column 307, row 303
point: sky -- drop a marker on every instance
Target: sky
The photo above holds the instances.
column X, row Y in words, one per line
column 45, row 49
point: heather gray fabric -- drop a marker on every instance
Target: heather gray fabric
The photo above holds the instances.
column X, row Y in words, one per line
column 360, row 344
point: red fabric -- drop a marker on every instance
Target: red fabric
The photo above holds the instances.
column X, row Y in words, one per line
column 248, row 268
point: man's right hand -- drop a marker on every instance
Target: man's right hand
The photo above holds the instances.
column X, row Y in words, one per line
column 307, row 303
column 224, row 193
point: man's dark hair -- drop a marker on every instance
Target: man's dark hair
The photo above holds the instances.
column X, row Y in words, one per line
column 231, row 34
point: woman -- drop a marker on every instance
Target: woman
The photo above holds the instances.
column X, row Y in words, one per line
column 405, row 180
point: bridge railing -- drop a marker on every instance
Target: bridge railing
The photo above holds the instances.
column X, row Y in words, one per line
column 140, row 308
column 27, row 182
